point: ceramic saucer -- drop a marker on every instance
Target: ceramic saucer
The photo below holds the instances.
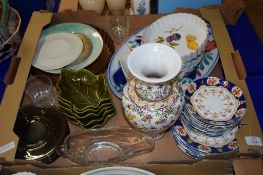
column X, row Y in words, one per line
column 78, row 28
column 57, row 50
column 216, row 101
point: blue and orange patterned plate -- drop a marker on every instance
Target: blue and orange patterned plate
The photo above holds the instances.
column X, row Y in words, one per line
column 116, row 75
column 197, row 150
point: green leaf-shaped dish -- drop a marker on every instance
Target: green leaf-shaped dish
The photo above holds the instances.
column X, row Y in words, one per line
column 84, row 97
column 82, row 88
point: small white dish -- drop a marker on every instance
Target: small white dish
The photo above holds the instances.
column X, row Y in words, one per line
column 57, row 50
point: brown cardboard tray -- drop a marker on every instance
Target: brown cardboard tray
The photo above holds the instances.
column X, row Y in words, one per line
column 166, row 152
column 230, row 9
column 204, row 167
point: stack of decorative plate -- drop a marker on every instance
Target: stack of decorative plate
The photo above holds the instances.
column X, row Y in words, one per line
column 72, row 45
column 186, row 33
column 84, row 98
column 210, row 119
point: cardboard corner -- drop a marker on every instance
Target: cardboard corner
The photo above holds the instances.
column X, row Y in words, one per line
column 248, row 166
column 250, row 122
column 68, row 5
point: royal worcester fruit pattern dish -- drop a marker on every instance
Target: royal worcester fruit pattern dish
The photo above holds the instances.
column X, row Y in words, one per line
column 117, row 73
column 184, row 32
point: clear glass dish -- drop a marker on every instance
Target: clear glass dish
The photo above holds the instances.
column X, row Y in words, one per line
column 106, row 145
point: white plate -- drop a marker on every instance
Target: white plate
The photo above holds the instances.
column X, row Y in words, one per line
column 214, row 103
column 118, row 171
column 91, row 33
column 57, row 50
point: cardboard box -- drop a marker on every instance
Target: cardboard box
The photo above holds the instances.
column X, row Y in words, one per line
column 230, row 9
column 204, row 167
column 166, row 151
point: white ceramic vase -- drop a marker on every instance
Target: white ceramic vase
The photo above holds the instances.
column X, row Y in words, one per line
column 96, row 5
column 153, row 99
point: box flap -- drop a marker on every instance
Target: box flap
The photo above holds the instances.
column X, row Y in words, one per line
column 14, row 92
column 248, row 166
column 250, row 122
column 68, row 5
column 204, row 167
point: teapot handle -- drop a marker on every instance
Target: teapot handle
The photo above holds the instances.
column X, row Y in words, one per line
column 4, row 19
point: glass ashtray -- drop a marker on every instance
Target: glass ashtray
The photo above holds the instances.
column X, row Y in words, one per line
column 105, row 145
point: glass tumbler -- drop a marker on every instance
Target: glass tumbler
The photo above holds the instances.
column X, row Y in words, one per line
column 118, row 24
column 39, row 89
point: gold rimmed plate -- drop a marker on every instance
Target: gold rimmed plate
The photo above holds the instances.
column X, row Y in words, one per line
column 86, row 50
column 86, row 31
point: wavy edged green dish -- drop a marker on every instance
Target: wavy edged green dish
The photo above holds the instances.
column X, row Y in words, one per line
column 84, row 98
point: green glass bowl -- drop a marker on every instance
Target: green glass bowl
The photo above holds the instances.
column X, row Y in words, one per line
column 41, row 132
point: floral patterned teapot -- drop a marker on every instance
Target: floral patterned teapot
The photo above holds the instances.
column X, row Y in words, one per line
column 153, row 99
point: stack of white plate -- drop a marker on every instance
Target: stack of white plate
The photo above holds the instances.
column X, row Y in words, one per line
column 211, row 117
column 72, row 45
